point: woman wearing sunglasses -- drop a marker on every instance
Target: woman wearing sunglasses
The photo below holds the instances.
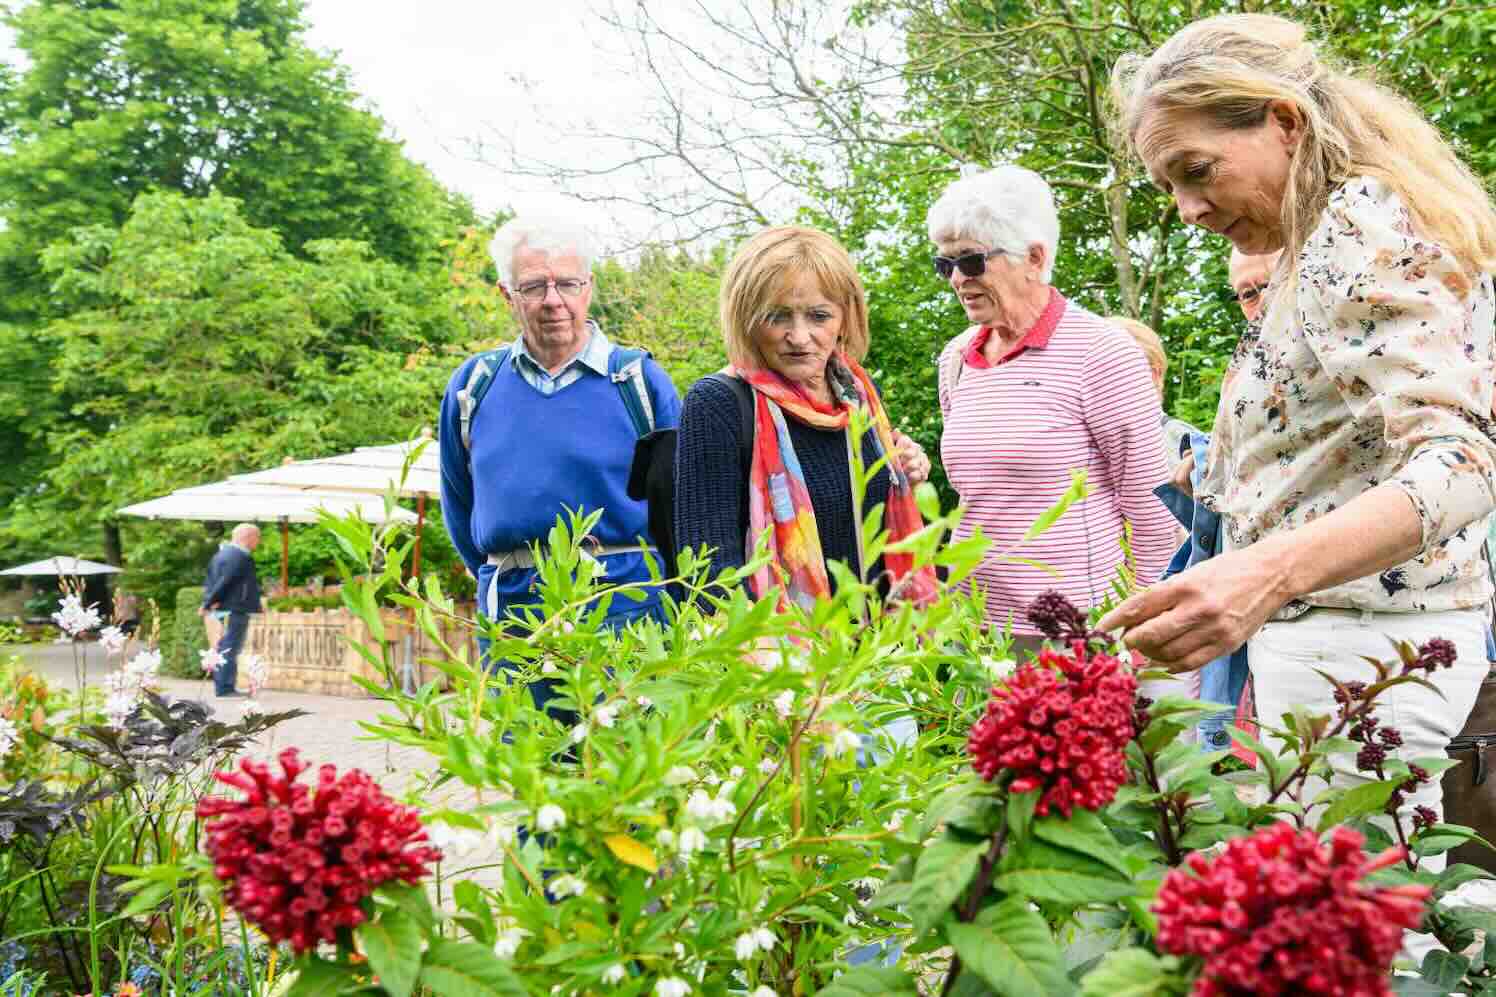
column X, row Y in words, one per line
column 1036, row 388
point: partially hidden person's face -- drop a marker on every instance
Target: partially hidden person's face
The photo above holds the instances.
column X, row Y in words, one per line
column 1229, row 181
column 1249, row 276
column 801, row 329
column 990, row 295
column 550, row 295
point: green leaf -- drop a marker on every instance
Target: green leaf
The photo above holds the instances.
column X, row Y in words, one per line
column 466, row 969
column 392, row 943
column 1134, row 973
column 149, row 896
column 928, row 500
column 1083, row 832
column 870, row 981
column 1443, row 969
column 1047, row 518
column 1010, row 947
column 316, row 978
column 1367, row 798
column 410, row 899
column 1041, row 871
column 943, row 871
column 1021, row 813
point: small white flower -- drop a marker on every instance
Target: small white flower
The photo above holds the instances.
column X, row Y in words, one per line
column 550, row 817
column 112, row 640
column 998, row 668
column 644, row 702
column 691, row 841
column 547, row 667
column 672, row 986
column 509, row 941
column 900, row 675
column 211, row 660
column 614, row 974
column 766, row 939
column 605, row 715
column 852, row 919
column 708, row 810
column 784, row 703
column 665, row 838
column 845, row 742
column 579, row 733
column 567, row 886
column 680, row 951
column 746, row 946
column 568, row 627
column 895, row 823
column 9, row 735
column 1125, row 656
column 252, row 708
column 503, row 832
column 257, row 671
column 763, row 992
column 798, row 661
column 767, row 766
column 680, row 775
column 73, row 619
column 455, row 842
column 736, row 772
column 712, row 779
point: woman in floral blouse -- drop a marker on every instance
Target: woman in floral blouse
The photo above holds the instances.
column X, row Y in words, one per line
column 1351, row 456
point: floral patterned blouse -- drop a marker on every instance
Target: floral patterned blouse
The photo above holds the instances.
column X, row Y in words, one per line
column 1375, row 367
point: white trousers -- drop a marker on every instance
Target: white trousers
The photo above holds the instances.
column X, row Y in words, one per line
column 1283, row 658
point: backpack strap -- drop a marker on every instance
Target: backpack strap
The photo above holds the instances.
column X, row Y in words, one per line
column 480, row 378
column 626, row 368
column 951, row 363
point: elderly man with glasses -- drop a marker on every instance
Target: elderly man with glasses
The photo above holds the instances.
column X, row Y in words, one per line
column 1036, row 388
column 547, row 424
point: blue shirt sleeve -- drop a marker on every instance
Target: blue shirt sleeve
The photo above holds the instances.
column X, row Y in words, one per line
column 457, row 478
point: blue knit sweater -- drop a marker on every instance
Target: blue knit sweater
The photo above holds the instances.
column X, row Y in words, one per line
column 711, row 488
column 535, row 456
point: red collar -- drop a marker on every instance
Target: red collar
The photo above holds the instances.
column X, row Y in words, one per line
column 1035, row 339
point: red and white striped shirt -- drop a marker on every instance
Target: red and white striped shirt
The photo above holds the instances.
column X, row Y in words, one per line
column 1074, row 394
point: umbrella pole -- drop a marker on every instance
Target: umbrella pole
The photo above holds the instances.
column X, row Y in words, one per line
column 285, row 556
column 415, row 571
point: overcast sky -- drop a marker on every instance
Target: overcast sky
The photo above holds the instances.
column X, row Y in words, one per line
column 443, row 71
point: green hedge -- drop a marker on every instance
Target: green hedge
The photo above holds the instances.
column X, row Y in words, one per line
column 182, row 636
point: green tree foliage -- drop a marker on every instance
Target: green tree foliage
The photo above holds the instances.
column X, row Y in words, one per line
column 201, row 347
column 125, row 97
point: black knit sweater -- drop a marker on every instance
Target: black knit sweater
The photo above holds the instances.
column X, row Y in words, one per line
column 711, row 484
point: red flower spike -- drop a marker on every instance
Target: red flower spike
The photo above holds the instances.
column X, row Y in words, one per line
column 1283, row 912
column 298, row 864
column 1059, row 725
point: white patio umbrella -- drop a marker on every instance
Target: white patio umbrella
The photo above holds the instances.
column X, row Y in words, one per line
column 233, row 502
column 371, row 470
column 62, row 565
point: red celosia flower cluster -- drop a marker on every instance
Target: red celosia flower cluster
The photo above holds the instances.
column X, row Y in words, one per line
column 1281, row 912
column 1060, row 724
column 298, row 864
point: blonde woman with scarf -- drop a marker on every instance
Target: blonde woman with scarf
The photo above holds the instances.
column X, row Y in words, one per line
column 794, row 320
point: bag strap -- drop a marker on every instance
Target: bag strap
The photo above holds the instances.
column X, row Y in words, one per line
column 951, row 364
column 480, row 379
column 626, row 368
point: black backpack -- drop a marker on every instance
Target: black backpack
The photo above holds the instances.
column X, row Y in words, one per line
column 652, row 474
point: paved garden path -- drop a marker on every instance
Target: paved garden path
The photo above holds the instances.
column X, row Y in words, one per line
column 329, row 733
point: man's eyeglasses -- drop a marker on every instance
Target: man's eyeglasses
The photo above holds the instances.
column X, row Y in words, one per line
column 1249, row 294
column 536, row 290
column 972, row 264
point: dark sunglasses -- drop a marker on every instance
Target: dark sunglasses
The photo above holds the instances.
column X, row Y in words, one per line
column 972, row 264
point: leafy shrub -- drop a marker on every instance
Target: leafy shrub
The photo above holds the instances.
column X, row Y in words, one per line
column 303, row 603
column 183, row 638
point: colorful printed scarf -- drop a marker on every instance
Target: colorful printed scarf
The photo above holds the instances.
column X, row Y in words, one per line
column 777, row 495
